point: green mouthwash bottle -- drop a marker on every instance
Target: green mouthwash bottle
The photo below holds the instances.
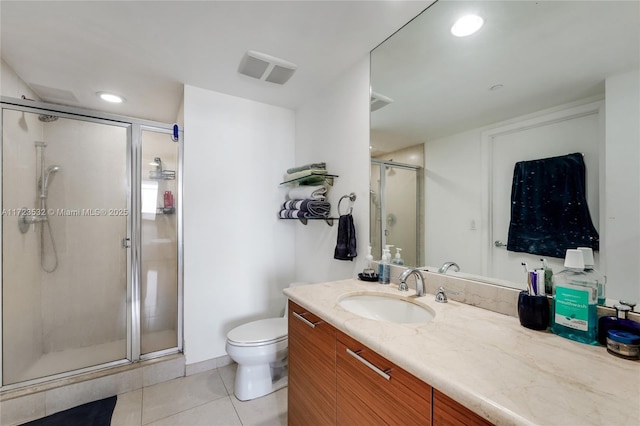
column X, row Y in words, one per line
column 575, row 298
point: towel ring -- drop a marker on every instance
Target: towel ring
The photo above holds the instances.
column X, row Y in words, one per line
column 352, row 198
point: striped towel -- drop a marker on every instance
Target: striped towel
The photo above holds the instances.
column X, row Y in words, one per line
column 315, row 208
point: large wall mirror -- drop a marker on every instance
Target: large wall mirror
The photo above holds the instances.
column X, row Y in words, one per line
column 540, row 79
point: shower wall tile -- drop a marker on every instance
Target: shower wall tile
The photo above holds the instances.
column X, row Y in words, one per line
column 80, row 393
column 20, row 410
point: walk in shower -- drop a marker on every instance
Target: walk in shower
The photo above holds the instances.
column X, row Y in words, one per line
column 91, row 270
column 396, row 210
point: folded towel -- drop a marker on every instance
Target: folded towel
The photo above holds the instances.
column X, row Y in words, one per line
column 316, row 192
column 314, row 207
column 307, row 167
column 292, row 214
column 549, row 211
column 346, row 244
column 304, row 173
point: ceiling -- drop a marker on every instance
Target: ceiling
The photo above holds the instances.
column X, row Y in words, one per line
column 66, row 51
column 544, row 53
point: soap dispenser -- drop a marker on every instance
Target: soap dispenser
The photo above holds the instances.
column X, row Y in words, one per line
column 369, row 259
column 384, row 276
column 398, row 260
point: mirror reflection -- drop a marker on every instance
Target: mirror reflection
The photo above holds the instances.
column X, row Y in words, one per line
column 537, row 80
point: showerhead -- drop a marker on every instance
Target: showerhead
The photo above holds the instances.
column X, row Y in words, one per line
column 46, row 118
column 48, row 177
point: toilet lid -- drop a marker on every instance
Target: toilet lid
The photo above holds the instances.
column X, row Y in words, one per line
column 260, row 331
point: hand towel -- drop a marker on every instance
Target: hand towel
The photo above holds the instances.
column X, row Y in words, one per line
column 346, row 244
column 316, row 192
column 549, row 211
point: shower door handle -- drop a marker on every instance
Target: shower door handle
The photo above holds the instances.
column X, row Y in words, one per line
column 126, row 242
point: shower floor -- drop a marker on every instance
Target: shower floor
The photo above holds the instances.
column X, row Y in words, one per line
column 76, row 358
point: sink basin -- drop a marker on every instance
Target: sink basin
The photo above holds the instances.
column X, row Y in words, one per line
column 384, row 308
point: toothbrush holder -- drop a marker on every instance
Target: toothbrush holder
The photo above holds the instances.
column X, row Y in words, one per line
column 533, row 311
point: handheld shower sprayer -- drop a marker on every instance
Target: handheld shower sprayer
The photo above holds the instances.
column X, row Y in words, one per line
column 48, row 177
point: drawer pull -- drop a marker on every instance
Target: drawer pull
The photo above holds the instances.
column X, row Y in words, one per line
column 306, row 321
column 368, row 364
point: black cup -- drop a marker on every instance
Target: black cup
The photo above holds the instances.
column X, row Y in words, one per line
column 533, row 311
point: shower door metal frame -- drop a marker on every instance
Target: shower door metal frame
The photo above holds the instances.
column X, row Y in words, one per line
column 134, row 128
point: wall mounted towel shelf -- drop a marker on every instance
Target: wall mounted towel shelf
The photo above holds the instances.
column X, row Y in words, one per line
column 303, row 220
column 312, row 179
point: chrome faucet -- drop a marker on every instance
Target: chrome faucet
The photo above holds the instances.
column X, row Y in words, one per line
column 419, row 281
column 445, row 267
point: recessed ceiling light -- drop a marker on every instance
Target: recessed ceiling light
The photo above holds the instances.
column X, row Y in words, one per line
column 467, row 25
column 110, row 97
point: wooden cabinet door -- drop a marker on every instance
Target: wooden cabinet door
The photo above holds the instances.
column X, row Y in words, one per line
column 372, row 390
column 312, row 369
column 448, row 412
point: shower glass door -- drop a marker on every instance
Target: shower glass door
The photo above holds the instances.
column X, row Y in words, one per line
column 159, row 284
column 65, row 215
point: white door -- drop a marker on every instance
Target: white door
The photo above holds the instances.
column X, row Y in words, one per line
column 550, row 136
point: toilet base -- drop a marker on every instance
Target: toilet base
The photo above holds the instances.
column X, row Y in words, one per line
column 254, row 381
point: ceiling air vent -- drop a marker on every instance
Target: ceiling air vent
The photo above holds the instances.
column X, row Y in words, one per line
column 265, row 67
column 378, row 101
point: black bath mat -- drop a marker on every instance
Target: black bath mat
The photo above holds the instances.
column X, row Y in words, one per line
column 96, row 413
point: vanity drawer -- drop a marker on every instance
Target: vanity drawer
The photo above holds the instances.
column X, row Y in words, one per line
column 373, row 390
column 312, row 374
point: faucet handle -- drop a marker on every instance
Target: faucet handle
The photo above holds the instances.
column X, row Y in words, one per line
column 441, row 295
column 403, row 286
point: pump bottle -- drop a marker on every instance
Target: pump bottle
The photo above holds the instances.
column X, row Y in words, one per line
column 398, row 260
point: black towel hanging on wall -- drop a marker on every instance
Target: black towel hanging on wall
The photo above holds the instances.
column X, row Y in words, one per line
column 346, row 244
column 549, row 211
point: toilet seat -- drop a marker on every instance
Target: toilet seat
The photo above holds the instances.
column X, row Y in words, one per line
column 259, row 333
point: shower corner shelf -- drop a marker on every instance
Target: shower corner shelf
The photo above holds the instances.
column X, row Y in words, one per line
column 166, row 210
column 164, row 175
column 312, row 179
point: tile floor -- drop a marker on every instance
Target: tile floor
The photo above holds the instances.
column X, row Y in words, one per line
column 201, row 399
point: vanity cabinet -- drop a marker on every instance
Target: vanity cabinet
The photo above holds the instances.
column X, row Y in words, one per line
column 312, row 369
column 373, row 390
column 448, row 412
column 336, row 380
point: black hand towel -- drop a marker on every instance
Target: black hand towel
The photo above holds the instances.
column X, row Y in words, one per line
column 549, row 211
column 346, row 245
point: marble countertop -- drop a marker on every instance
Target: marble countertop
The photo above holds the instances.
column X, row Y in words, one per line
column 488, row 362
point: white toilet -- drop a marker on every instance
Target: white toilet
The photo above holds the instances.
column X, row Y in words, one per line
column 260, row 349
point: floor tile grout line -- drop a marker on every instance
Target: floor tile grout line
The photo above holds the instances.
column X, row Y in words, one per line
column 190, row 408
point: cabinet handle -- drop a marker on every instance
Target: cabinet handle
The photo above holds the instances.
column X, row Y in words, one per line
column 357, row 356
column 306, row 321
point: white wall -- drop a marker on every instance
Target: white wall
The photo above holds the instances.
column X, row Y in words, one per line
column 12, row 85
column 334, row 127
column 237, row 255
column 622, row 223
